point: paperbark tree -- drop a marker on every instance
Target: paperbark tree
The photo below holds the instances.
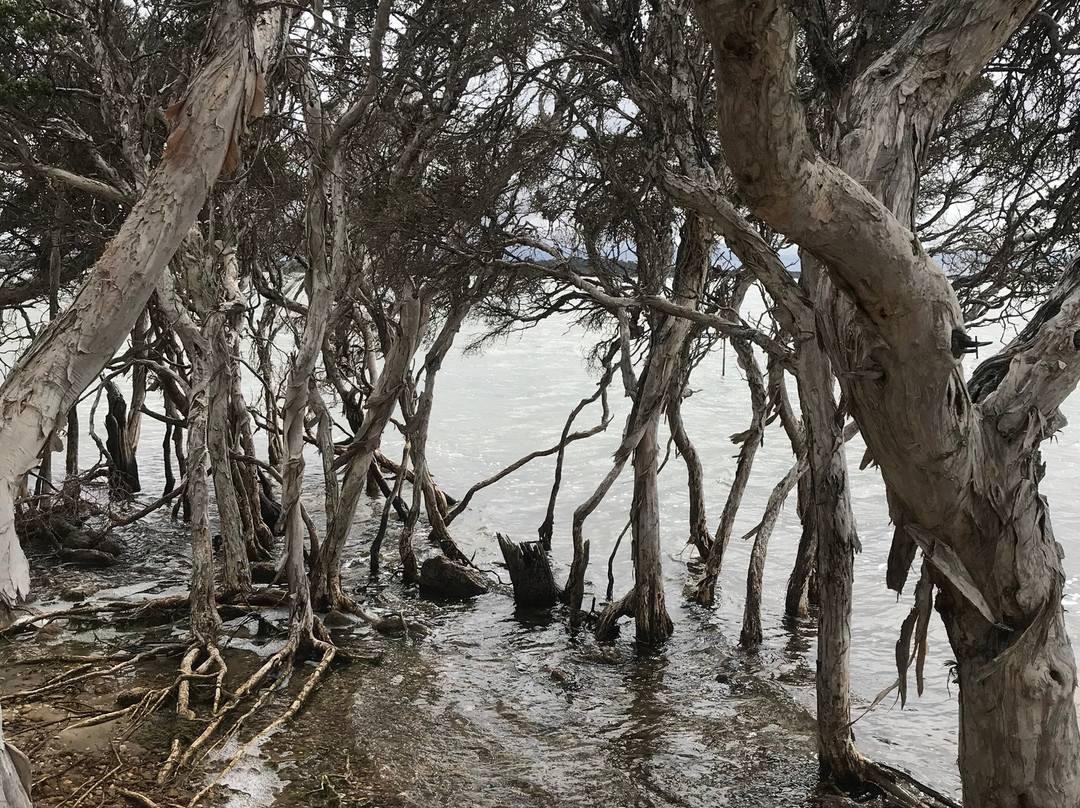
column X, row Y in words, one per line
column 962, row 472
column 326, row 265
column 68, row 355
column 645, row 602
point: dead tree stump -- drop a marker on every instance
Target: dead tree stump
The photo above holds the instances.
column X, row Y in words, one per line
column 530, row 572
column 124, row 470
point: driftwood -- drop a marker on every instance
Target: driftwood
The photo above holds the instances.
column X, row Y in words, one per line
column 442, row 578
column 60, row 529
column 530, row 573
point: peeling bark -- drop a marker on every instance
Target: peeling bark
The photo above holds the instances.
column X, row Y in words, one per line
column 962, row 476
column 71, row 352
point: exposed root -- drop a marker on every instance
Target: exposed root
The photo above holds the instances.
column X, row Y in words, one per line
column 102, row 718
column 137, row 798
column 130, row 612
column 66, row 679
column 329, row 652
column 184, row 688
column 394, row 624
column 282, row 657
column 607, row 624
column 903, row 789
column 88, row 787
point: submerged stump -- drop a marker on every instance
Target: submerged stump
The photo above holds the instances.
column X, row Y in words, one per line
column 442, row 578
column 530, row 573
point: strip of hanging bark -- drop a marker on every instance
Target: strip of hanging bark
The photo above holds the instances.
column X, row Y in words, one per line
column 530, row 573
column 751, row 634
column 914, row 625
column 948, row 563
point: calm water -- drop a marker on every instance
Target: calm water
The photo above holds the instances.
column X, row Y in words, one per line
column 491, row 709
column 493, row 408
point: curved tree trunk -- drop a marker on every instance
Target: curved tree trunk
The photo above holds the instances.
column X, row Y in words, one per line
column 962, row 471
column 70, row 353
column 418, row 425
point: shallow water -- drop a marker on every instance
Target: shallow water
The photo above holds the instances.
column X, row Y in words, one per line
column 496, row 709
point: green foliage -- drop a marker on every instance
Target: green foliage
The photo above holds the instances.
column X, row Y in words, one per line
column 29, row 34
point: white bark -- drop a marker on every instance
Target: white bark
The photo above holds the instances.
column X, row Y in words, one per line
column 324, row 181
column 961, row 477
column 70, row 353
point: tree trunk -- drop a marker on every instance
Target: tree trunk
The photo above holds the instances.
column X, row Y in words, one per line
column 237, row 576
column 205, row 622
column 414, row 311
column 530, row 573
column 124, row 470
column 71, row 352
column 71, row 458
column 797, row 597
column 14, row 776
column 962, row 472
column 834, row 531
column 751, row 634
column 652, row 624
